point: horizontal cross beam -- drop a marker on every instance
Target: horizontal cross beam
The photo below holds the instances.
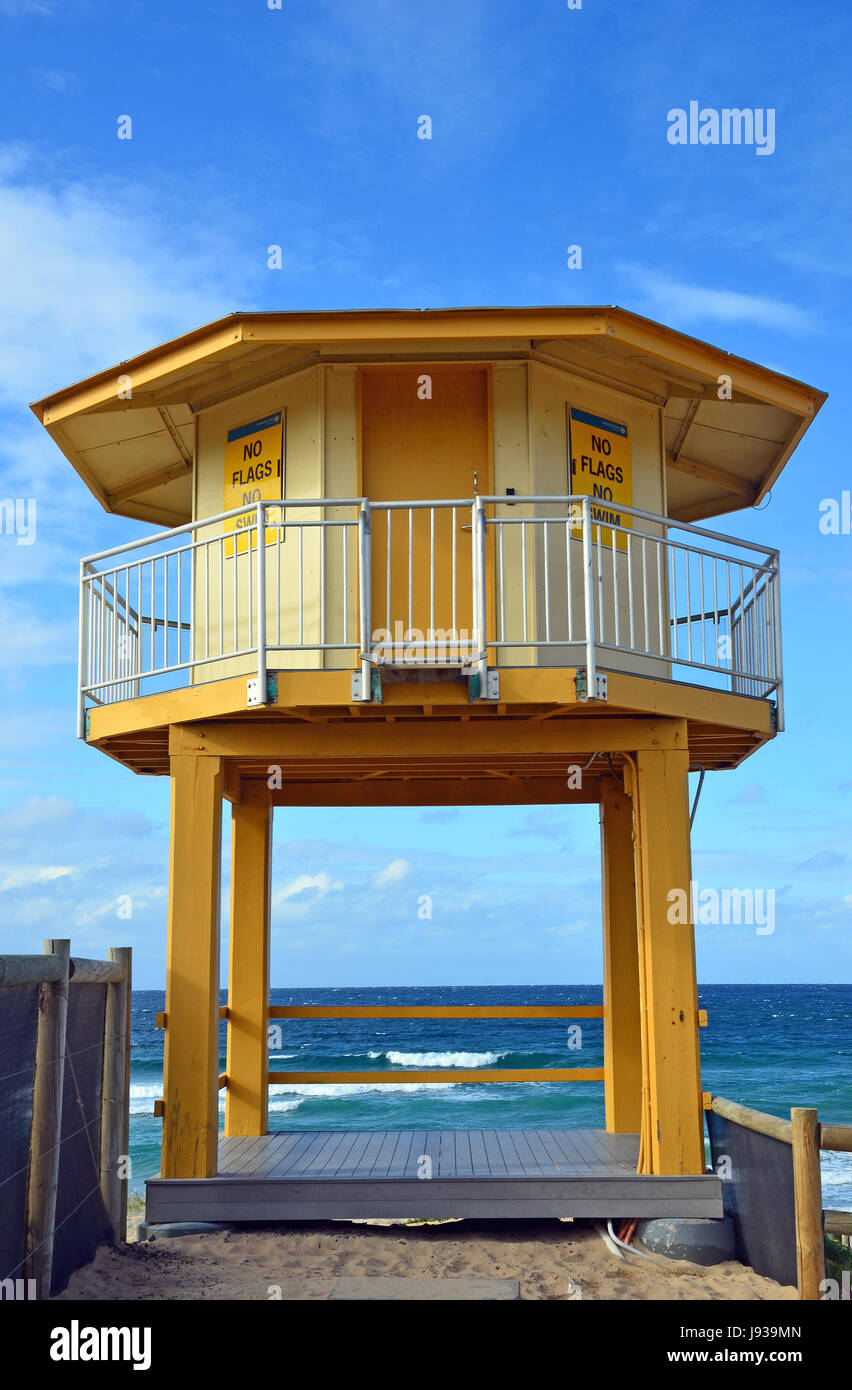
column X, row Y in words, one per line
column 479, row 736
column 435, row 1011
column 436, row 791
column 456, row 1074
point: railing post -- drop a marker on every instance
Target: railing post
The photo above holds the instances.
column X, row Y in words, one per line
column 807, row 1185
column 82, row 652
column 589, row 599
column 479, row 594
column 779, row 660
column 47, row 1123
column 365, row 590
column 261, row 607
column 115, row 1093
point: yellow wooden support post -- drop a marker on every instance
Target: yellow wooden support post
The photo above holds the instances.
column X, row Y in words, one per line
column 622, row 1028
column 191, row 1079
column 246, row 1099
column 663, row 866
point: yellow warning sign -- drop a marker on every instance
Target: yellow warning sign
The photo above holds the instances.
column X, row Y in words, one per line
column 254, row 472
column 601, row 468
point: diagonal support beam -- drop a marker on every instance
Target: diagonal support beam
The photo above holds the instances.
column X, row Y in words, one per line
column 718, row 476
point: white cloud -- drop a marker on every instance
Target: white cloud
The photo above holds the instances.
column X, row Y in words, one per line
column 118, row 908
column 677, row 302
column 318, row 886
column 53, row 79
column 101, row 858
column 546, row 823
column 393, row 872
column 25, row 877
column 91, row 277
column 321, row 882
column 751, row 795
column 92, row 272
column 17, row 8
column 97, row 269
column 28, row 638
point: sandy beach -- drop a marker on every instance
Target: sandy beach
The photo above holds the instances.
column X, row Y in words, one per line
column 551, row 1259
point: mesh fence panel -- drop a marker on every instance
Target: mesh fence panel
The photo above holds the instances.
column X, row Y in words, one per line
column 81, row 1221
column 18, row 1031
column 758, row 1195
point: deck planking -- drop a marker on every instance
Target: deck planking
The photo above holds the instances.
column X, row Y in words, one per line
column 389, row 1154
column 323, row 1174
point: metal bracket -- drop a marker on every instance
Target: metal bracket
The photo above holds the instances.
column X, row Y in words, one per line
column 375, row 693
column 581, row 682
column 773, row 717
column 256, row 696
column 492, row 685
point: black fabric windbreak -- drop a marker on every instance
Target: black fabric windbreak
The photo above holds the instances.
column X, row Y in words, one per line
column 758, row 1196
column 18, row 1032
column 81, row 1219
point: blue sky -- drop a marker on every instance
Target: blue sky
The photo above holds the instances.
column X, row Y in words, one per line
column 298, row 127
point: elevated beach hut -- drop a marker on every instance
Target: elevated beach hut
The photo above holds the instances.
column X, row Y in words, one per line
column 449, row 557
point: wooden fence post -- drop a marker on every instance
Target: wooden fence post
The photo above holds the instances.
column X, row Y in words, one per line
column 115, row 1093
column 807, row 1185
column 47, row 1123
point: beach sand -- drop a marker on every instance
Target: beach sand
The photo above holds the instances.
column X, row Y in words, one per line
column 551, row 1259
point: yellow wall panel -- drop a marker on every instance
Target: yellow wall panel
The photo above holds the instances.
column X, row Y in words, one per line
column 528, row 430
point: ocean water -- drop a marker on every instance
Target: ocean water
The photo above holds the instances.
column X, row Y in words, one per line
column 767, row 1046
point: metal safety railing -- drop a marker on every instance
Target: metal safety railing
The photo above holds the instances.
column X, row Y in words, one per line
column 451, row 582
column 185, row 601
column 643, row 587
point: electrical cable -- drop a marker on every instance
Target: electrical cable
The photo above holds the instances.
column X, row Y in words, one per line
column 701, row 772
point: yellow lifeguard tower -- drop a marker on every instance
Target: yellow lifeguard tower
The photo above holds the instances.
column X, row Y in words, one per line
column 417, row 558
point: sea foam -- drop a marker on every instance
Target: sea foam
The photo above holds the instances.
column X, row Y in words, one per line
column 443, row 1059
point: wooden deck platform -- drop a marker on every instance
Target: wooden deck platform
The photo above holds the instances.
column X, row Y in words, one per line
column 314, row 1175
